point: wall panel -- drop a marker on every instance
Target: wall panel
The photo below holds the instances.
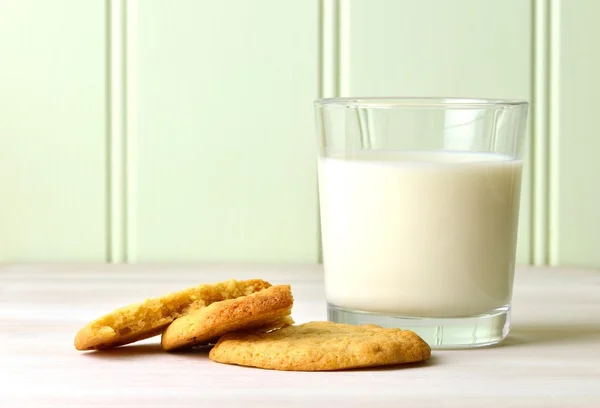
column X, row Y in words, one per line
column 52, row 130
column 224, row 146
column 575, row 168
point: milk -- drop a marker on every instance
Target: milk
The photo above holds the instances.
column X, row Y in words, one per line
column 419, row 234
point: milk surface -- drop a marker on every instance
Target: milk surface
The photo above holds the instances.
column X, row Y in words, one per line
column 429, row 234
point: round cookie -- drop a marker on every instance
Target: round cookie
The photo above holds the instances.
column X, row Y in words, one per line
column 264, row 310
column 149, row 318
column 321, row 346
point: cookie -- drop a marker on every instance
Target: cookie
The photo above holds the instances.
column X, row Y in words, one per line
column 321, row 346
column 265, row 310
column 150, row 317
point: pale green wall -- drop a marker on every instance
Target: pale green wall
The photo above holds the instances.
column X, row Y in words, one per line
column 155, row 131
column 225, row 147
column 575, row 140
column 52, row 130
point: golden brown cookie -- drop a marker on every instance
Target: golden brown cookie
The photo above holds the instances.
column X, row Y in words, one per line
column 321, row 346
column 265, row 310
column 150, row 317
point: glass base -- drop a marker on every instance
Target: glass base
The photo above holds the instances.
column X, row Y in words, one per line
column 439, row 332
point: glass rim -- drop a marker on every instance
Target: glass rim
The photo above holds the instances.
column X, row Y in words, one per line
column 374, row 102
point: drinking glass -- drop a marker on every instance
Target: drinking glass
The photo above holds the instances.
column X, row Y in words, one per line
column 419, row 206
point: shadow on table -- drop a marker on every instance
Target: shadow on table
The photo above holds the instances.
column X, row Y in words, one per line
column 141, row 350
column 547, row 334
column 423, row 364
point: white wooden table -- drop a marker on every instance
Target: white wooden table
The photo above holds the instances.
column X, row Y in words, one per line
column 551, row 358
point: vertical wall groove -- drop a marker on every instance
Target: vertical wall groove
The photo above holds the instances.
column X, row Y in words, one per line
column 320, row 94
column 553, row 129
column 328, row 67
column 539, row 131
column 343, row 55
column 116, row 140
column 130, row 175
column 108, row 109
column 330, row 48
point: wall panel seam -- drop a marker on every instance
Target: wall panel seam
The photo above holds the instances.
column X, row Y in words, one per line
column 330, row 48
column 329, row 58
column 130, row 176
column 554, row 130
column 116, row 138
column 343, row 32
column 539, row 132
column 108, row 131
column 321, row 93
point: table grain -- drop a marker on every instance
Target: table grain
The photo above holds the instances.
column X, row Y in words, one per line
column 551, row 358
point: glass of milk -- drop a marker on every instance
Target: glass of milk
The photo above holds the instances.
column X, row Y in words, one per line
column 419, row 201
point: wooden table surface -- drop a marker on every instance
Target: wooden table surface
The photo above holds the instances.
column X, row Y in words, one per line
column 551, row 358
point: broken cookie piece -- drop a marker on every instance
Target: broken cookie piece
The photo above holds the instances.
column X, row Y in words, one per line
column 150, row 317
column 264, row 310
